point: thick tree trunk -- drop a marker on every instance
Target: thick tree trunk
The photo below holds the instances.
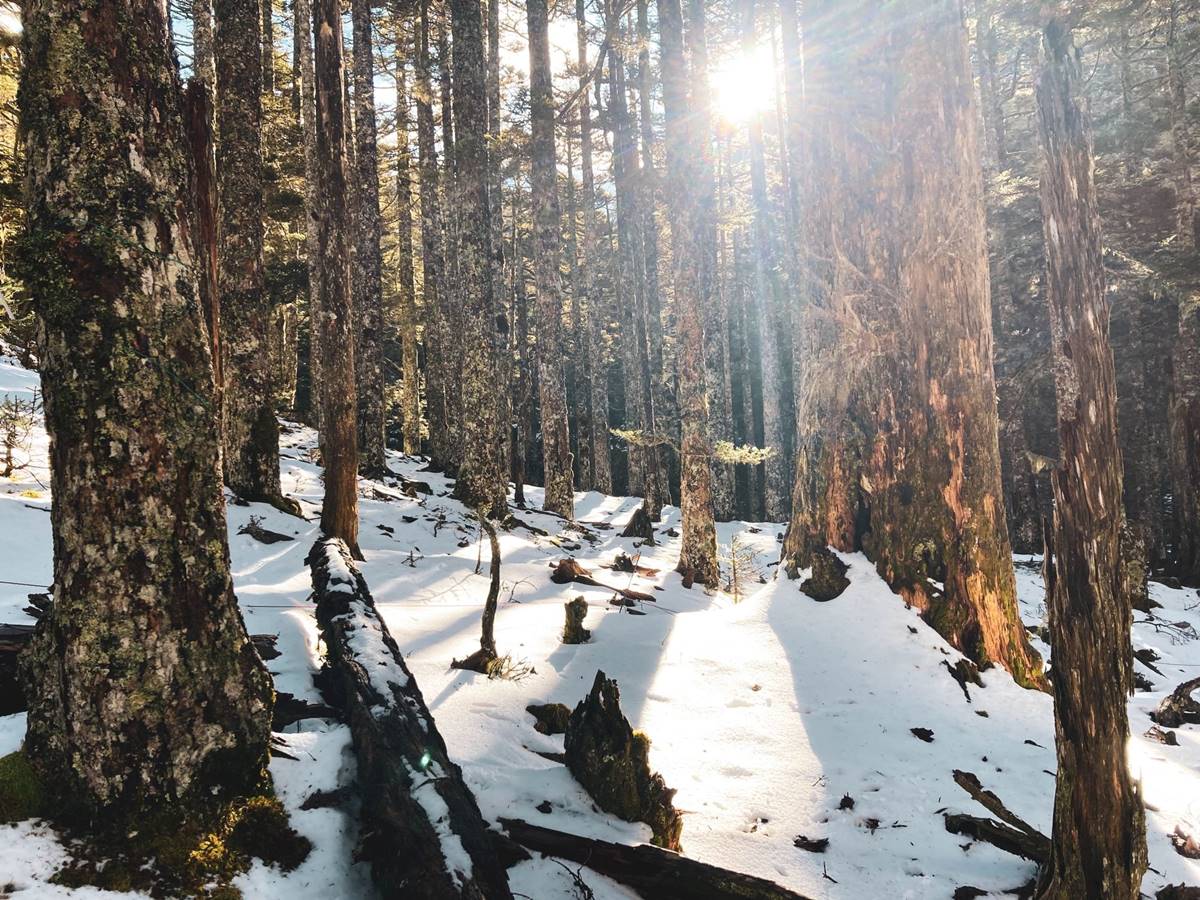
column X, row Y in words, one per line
column 691, row 198
column 249, row 430
column 368, row 262
column 558, row 466
column 203, row 63
column 1099, row 841
column 410, row 396
column 480, row 484
column 179, row 712
column 335, row 323
column 432, row 254
column 426, row 839
column 898, row 454
column 596, row 314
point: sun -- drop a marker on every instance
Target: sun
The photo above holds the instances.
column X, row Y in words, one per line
column 743, row 85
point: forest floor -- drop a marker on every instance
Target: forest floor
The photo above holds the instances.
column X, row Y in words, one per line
column 763, row 713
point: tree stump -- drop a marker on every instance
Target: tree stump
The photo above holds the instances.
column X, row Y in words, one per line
column 573, row 630
column 610, row 760
column 828, row 579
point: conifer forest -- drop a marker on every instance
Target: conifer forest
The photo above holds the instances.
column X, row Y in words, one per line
column 600, row 449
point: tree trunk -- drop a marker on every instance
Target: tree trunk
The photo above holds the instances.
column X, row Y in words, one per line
column 250, row 431
column 691, row 198
column 769, row 308
column 203, row 64
column 432, row 254
column 1185, row 189
column 898, row 454
column 368, row 263
column 335, row 325
column 503, row 313
column 308, row 126
column 596, row 316
column 1099, row 843
column 198, row 119
column 410, row 397
column 1185, row 440
column 451, row 295
column 268, row 46
column 143, row 688
column 425, row 836
column 480, row 483
column 547, row 218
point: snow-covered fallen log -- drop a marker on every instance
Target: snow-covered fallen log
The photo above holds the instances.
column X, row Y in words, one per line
column 422, row 830
column 652, row 872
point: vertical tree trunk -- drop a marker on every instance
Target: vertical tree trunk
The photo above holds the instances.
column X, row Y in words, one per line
column 432, row 253
column 1185, row 189
column 578, row 391
column 480, row 483
column 250, row 431
column 308, row 126
column 1185, row 440
column 268, row 45
column 1099, row 843
column 203, row 64
column 898, row 453
column 644, row 468
column 144, row 690
column 718, row 366
column 596, row 314
column 503, row 315
column 410, row 398
column 769, row 307
column 547, row 240
column 691, row 198
column 198, row 122
column 522, row 393
column 335, row 326
column 368, row 262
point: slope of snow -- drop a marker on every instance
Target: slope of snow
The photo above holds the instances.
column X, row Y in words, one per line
column 763, row 714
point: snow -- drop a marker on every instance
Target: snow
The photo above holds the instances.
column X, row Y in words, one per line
column 762, row 713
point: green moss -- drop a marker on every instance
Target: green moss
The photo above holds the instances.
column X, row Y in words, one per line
column 20, row 789
column 189, row 855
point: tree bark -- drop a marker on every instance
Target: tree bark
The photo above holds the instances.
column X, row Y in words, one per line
column 1185, row 190
column 425, row 837
column 480, row 482
column 898, row 439
column 691, row 198
column 203, row 64
column 1099, row 843
column 249, row 428
column 198, row 118
column 308, row 127
column 410, row 397
column 335, row 324
column 432, row 253
column 268, row 46
column 596, row 314
column 367, row 281
column 143, row 688
column 558, row 466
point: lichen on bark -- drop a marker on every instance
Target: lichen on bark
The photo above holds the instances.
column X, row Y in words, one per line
column 143, row 686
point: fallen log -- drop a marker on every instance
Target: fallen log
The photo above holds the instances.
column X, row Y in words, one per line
column 969, row 782
column 424, row 835
column 654, row 873
column 1035, row 848
column 1178, row 708
column 569, row 570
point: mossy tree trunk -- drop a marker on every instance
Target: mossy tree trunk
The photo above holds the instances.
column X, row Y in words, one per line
column 250, row 432
column 480, row 482
column 691, row 198
column 1099, row 841
column 143, row 687
column 558, row 467
column 898, row 436
column 368, row 261
column 335, row 324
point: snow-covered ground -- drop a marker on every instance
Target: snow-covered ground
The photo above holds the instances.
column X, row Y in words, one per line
column 763, row 714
